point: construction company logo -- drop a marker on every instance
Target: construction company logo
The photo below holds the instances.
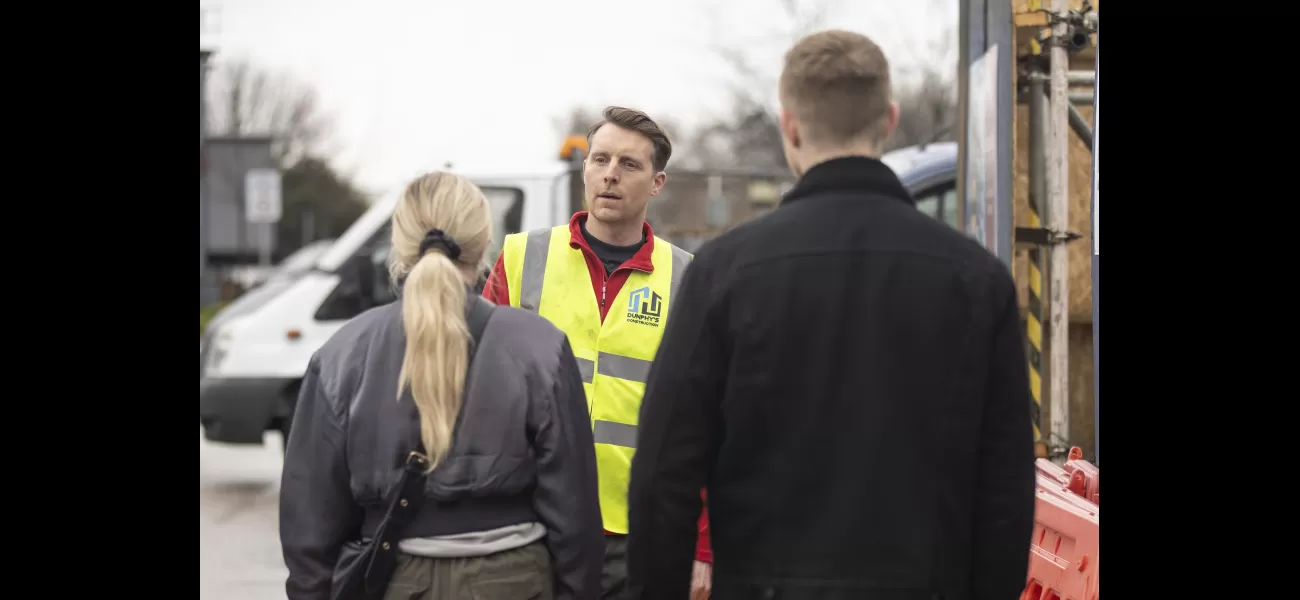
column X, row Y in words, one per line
column 644, row 307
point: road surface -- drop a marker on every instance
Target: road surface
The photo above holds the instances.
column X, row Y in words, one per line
column 239, row 539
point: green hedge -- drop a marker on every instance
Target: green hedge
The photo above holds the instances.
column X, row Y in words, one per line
column 207, row 312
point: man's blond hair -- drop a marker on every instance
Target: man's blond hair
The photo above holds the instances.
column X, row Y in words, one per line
column 837, row 85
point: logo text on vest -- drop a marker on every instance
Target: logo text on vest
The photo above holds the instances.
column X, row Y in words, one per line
column 644, row 307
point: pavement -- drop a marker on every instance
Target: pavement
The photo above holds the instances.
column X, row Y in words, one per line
column 239, row 535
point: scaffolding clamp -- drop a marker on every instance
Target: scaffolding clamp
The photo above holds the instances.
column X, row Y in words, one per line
column 1042, row 236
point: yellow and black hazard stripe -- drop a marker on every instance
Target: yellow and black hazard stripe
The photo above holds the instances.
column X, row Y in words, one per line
column 1034, row 323
column 1034, row 331
column 1034, row 47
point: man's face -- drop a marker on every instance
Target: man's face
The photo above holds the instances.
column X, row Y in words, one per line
column 619, row 175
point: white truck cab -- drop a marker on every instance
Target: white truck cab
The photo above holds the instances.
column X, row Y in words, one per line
column 252, row 358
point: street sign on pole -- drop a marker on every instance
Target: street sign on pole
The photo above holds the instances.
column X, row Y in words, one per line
column 262, row 206
column 262, row 196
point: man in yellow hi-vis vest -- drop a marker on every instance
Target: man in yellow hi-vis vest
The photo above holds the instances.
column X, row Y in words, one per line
column 607, row 282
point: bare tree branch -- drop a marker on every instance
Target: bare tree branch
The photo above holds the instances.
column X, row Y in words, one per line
column 576, row 121
column 750, row 134
column 250, row 101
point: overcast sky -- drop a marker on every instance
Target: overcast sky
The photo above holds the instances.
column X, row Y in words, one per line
column 411, row 84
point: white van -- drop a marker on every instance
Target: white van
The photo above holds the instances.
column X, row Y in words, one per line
column 252, row 358
column 251, row 361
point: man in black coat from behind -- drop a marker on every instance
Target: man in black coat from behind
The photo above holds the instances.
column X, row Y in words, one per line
column 846, row 376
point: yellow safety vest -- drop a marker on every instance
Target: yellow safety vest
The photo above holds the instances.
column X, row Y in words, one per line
column 549, row 277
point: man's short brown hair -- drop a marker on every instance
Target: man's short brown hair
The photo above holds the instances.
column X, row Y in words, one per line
column 627, row 118
column 837, row 85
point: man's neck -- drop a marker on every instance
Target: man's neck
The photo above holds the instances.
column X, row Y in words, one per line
column 817, row 157
column 616, row 234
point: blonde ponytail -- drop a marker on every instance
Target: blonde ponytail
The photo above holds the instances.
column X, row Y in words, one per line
column 434, row 279
column 433, row 313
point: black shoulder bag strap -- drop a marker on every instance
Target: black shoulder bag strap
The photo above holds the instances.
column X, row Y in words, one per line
column 404, row 499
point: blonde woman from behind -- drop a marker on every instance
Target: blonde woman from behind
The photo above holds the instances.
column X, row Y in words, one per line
column 441, row 445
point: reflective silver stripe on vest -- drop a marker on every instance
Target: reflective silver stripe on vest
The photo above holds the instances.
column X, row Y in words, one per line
column 530, row 286
column 680, row 260
column 615, row 434
column 587, row 368
column 623, row 367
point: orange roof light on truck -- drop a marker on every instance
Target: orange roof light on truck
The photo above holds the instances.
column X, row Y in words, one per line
column 571, row 144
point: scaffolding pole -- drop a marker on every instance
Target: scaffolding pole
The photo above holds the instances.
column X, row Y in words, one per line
column 1077, row 122
column 1058, row 206
column 1080, row 127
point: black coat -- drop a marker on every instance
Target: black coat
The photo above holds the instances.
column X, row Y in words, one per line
column 847, row 377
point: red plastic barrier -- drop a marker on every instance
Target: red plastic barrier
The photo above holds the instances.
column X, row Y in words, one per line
column 1083, row 475
column 1063, row 555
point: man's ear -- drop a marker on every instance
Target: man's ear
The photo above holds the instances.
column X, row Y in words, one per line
column 891, row 120
column 659, row 180
column 790, row 129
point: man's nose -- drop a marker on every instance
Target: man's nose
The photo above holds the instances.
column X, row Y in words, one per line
column 611, row 173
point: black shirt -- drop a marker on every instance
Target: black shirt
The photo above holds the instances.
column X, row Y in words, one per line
column 612, row 256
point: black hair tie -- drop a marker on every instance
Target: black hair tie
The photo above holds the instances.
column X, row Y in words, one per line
column 438, row 239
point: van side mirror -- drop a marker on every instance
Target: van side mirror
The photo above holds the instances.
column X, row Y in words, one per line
column 361, row 275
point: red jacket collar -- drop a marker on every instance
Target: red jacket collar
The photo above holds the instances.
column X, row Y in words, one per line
column 639, row 261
